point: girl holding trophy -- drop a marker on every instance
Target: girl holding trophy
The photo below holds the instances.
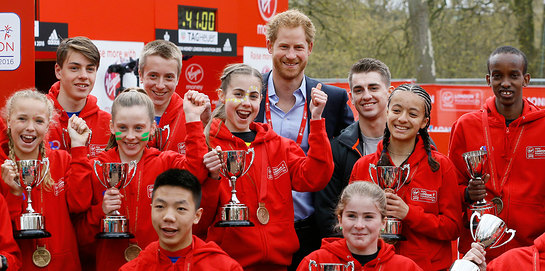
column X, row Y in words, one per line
column 361, row 212
column 428, row 204
column 124, row 174
column 280, row 165
column 43, row 187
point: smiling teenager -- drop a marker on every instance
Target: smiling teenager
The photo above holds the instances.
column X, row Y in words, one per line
column 428, row 204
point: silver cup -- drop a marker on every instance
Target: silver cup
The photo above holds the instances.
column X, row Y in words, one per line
column 115, row 175
column 234, row 166
column 476, row 164
column 490, row 230
column 331, row 266
column 31, row 173
column 464, row 265
column 391, row 179
column 159, row 141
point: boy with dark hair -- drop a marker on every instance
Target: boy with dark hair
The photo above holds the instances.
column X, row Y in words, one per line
column 175, row 209
column 510, row 128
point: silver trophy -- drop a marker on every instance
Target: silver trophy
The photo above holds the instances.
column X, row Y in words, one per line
column 464, row 265
column 158, row 141
column 391, row 179
column 476, row 163
column 331, row 266
column 233, row 166
column 31, row 173
column 115, row 175
column 490, row 230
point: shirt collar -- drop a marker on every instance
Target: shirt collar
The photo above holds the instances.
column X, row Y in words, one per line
column 301, row 90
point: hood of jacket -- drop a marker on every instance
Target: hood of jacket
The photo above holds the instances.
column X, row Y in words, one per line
column 90, row 107
column 219, row 131
column 339, row 248
column 530, row 113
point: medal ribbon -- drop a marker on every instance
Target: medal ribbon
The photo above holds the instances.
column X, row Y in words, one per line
column 303, row 121
column 137, row 200
column 491, row 157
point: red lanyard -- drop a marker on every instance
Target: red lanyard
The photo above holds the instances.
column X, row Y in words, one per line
column 303, row 121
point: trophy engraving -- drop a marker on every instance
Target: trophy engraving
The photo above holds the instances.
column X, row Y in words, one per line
column 233, row 166
column 31, row 173
column 115, row 175
column 391, row 179
column 331, row 266
column 476, row 162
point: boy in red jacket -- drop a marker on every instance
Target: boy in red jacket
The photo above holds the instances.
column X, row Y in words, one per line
column 76, row 67
column 175, row 209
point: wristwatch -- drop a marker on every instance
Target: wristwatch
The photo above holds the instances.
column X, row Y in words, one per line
column 4, row 263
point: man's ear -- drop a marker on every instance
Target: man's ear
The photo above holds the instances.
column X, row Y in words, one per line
column 221, row 95
column 526, row 80
column 487, row 79
column 198, row 215
column 58, row 69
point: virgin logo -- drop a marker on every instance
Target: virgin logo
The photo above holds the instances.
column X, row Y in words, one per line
column 112, row 81
column 194, row 73
column 267, row 8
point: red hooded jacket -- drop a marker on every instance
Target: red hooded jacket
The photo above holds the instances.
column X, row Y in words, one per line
column 97, row 120
column 70, row 193
column 8, row 247
column 203, row 256
column 434, row 217
column 524, row 258
column 523, row 192
column 174, row 117
column 283, row 165
column 136, row 203
column 335, row 250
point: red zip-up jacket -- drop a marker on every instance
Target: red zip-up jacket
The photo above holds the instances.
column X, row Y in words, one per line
column 174, row 117
column 335, row 250
column 523, row 258
column 434, row 217
column 136, row 203
column 97, row 120
column 8, row 246
column 523, row 192
column 70, row 193
column 203, row 256
column 283, row 165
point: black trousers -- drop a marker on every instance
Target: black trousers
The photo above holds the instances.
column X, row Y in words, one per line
column 309, row 240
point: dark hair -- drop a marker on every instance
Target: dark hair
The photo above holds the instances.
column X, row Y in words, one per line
column 180, row 178
column 508, row 50
column 418, row 90
column 366, row 65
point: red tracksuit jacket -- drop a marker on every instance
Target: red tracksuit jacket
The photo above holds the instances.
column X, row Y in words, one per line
column 523, row 192
column 283, row 165
column 97, row 120
column 434, row 217
column 523, row 258
column 174, row 117
column 136, row 203
column 8, row 246
column 203, row 256
column 70, row 193
column 335, row 250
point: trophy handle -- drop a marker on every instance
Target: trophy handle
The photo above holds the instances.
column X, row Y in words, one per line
column 406, row 166
column 350, row 264
column 64, row 130
column 222, row 172
column 512, row 232
column 373, row 166
column 167, row 127
column 96, row 173
column 132, row 165
column 311, row 263
column 45, row 161
column 250, row 150
column 471, row 223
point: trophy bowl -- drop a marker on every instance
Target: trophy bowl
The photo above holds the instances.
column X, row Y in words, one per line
column 115, row 175
column 233, row 166
column 490, row 231
column 30, row 174
column 331, row 266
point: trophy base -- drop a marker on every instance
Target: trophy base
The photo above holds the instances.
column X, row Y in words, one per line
column 234, row 223
column 114, row 235
column 31, row 234
column 392, row 237
column 234, row 215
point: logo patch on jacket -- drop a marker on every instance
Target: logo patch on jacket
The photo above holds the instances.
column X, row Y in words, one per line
column 181, row 148
column 150, row 190
column 277, row 171
column 535, row 152
column 96, row 149
column 59, row 187
column 424, row 195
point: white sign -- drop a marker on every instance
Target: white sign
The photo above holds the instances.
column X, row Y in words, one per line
column 113, row 52
column 197, row 37
column 258, row 57
column 10, row 41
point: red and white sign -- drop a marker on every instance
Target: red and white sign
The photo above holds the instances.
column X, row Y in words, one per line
column 424, row 195
column 194, row 73
column 10, row 41
column 460, row 99
column 258, row 57
column 267, row 8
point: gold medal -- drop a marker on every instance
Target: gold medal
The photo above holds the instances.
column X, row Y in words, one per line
column 131, row 252
column 499, row 204
column 262, row 214
column 41, row 257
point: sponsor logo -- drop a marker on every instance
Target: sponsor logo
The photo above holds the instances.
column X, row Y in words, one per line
column 150, row 190
column 112, row 81
column 194, row 73
column 58, row 187
column 424, row 195
column 277, row 171
column 96, row 149
column 181, row 148
column 267, row 8
column 535, row 152
column 53, row 39
column 460, row 99
column 55, row 144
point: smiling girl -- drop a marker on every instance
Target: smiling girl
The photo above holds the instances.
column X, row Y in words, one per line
column 428, row 205
column 64, row 191
column 280, row 165
column 131, row 126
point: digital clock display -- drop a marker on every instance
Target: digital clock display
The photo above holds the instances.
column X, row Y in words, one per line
column 197, row 18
